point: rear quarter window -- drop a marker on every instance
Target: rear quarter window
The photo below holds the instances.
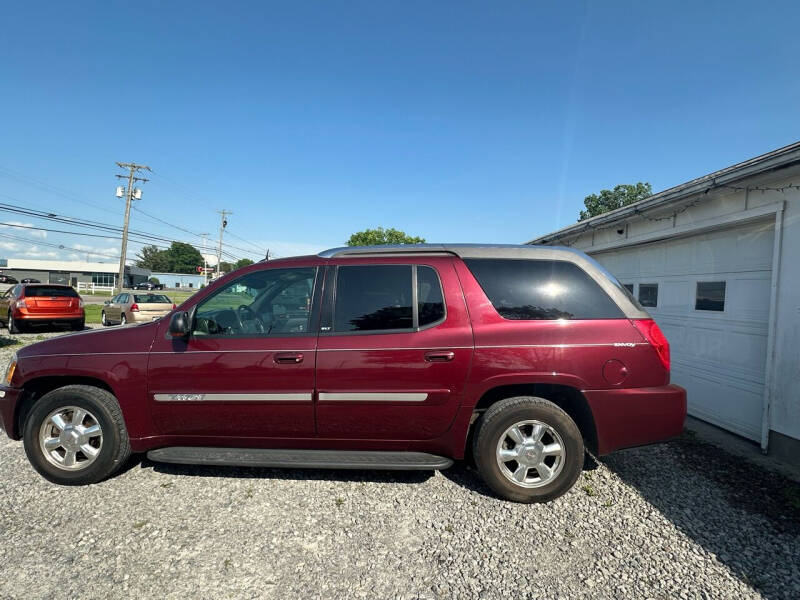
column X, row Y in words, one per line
column 541, row 290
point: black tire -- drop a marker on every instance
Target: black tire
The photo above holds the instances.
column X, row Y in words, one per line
column 114, row 451
column 13, row 327
column 78, row 325
column 502, row 415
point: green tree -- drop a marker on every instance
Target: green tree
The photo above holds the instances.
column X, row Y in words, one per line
column 184, row 258
column 242, row 262
column 226, row 267
column 607, row 200
column 154, row 280
column 178, row 258
column 153, row 259
column 380, row 236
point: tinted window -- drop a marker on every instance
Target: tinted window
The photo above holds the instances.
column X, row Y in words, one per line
column 430, row 304
column 151, row 299
column 542, row 289
column 268, row 302
column 45, row 290
column 710, row 296
column 373, row 298
column 648, row 294
column 628, row 286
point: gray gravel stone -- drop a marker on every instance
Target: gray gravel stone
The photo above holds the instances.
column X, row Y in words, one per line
column 681, row 520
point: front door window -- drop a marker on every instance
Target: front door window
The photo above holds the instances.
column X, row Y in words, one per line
column 274, row 302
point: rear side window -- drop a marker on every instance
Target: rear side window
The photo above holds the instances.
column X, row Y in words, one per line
column 384, row 298
column 44, row 290
column 541, row 290
column 373, row 298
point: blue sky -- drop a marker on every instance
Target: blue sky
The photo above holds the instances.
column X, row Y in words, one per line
column 456, row 121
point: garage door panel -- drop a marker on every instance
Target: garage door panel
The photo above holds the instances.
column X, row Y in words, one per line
column 749, row 298
column 719, row 357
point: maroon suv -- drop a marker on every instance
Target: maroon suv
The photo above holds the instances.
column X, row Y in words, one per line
column 404, row 357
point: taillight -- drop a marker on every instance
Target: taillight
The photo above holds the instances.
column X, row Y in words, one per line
column 134, row 308
column 653, row 334
column 173, row 306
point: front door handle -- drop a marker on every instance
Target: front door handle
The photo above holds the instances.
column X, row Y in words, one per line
column 440, row 356
column 288, row 358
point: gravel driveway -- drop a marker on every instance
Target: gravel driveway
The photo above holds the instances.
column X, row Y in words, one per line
column 681, row 520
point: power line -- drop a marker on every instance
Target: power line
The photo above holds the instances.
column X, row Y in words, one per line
column 146, row 238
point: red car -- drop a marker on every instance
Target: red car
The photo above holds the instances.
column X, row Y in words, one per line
column 41, row 304
column 405, row 357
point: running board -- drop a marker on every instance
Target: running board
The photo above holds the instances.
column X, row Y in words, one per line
column 300, row 459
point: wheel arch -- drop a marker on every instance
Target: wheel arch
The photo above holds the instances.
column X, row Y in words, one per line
column 34, row 389
column 568, row 398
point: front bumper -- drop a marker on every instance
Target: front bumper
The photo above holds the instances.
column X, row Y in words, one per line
column 636, row 416
column 8, row 406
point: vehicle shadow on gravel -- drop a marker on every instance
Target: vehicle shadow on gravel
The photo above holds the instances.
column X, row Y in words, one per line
column 464, row 474
column 344, row 475
column 749, row 518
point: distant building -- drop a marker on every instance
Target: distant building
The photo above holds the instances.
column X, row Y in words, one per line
column 71, row 272
column 179, row 280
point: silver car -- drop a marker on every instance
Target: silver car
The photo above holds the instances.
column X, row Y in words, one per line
column 135, row 308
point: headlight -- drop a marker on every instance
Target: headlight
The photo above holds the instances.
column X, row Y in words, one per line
column 10, row 368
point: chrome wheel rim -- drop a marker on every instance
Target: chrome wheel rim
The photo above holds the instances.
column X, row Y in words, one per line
column 530, row 454
column 71, row 438
column 102, row 318
column 123, row 320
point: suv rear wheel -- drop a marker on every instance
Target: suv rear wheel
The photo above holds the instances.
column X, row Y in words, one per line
column 76, row 435
column 528, row 450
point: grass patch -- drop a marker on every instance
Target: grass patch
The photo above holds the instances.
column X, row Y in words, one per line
column 339, row 501
column 92, row 312
column 590, row 491
column 139, row 524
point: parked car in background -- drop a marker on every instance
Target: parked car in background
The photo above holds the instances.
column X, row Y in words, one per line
column 394, row 357
column 41, row 304
column 135, row 308
column 29, row 280
column 7, row 279
column 148, row 285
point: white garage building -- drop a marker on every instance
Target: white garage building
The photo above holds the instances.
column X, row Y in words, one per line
column 716, row 261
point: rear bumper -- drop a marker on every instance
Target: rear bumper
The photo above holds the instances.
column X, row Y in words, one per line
column 636, row 416
column 8, row 405
column 46, row 317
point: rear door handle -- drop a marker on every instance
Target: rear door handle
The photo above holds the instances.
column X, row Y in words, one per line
column 288, row 358
column 440, row 356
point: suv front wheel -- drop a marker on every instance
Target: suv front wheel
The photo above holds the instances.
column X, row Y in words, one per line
column 75, row 435
column 528, row 450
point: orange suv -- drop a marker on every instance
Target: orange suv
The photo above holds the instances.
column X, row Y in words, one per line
column 28, row 304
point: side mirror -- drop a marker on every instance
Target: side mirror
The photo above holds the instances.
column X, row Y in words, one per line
column 107, row 302
column 179, row 324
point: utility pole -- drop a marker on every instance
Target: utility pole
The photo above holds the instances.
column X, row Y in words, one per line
column 130, row 195
column 205, row 262
column 223, row 224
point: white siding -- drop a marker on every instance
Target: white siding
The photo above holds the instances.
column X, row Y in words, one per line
column 719, row 357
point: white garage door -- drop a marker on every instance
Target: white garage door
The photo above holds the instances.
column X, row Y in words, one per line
column 718, row 356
